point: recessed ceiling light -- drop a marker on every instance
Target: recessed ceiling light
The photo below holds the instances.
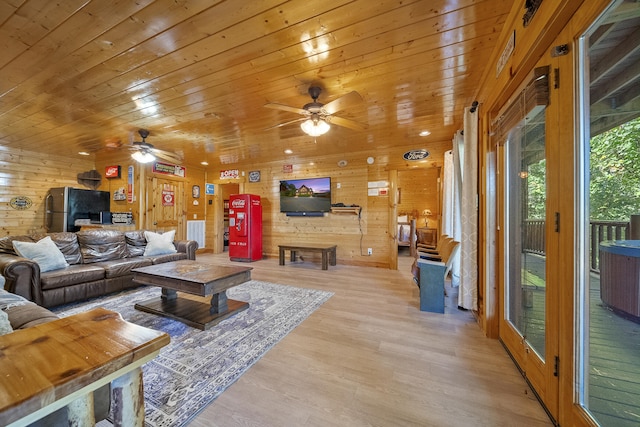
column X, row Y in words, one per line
column 204, row 163
column 288, row 151
column 425, row 133
column 84, row 153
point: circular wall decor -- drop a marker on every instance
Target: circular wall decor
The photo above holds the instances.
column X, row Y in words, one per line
column 414, row 155
column 20, row 203
column 254, row 176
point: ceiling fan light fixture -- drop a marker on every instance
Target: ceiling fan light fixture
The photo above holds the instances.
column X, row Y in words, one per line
column 143, row 156
column 315, row 127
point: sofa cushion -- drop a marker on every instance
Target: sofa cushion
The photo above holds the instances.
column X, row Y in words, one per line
column 68, row 244
column 122, row 267
column 159, row 244
column 101, row 245
column 72, row 275
column 6, row 243
column 136, row 243
column 21, row 312
column 44, row 252
column 29, row 314
column 9, row 299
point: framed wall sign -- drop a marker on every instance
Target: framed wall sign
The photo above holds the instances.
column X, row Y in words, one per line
column 20, row 203
column 112, row 172
column 254, row 176
column 195, row 191
column 229, row 174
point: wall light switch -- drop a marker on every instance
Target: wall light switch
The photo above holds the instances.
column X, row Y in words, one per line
column 338, row 185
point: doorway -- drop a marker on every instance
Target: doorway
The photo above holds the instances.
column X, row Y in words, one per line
column 532, row 177
column 225, row 191
column 418, row 199
column 167, row 205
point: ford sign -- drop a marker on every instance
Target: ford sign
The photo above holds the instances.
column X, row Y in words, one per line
column 414, row 155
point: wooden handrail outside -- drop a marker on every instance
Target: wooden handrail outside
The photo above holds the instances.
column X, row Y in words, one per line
column 599, row 231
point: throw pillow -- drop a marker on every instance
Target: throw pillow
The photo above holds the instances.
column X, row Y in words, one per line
column 44, row 252
column 5, row 325
column 159, row 244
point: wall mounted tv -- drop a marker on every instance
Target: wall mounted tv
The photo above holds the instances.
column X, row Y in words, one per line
column 305, row 197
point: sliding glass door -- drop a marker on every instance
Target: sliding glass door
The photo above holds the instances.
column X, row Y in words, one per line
column 529, row 241
column 608, row 318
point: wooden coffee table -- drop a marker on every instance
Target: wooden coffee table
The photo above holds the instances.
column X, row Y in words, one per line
column 197, row 278
column 328, row 252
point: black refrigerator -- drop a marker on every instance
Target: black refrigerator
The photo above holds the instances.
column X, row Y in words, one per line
column 64, row 205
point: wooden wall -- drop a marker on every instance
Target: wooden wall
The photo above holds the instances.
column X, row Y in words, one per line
column 31, row 174
column 140, row 207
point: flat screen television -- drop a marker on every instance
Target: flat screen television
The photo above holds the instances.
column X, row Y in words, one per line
column 305, row 196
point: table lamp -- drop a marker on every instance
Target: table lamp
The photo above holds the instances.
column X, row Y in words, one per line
column 426, row 214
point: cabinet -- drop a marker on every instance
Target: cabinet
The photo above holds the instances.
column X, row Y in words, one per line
column 427, row 236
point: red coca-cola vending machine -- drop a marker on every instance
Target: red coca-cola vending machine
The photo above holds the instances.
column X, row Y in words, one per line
column 245, row 227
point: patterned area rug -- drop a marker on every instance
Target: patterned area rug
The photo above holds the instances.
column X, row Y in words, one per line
column 197, row 366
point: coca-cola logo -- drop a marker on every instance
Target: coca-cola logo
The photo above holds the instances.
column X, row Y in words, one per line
column 413, row 155
column 112, row 172
column 237, row 203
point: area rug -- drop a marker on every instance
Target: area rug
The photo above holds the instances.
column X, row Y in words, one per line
column 197, row 366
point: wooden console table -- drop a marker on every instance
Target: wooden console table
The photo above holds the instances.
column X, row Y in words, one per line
column 60, row 363
column 328, row 253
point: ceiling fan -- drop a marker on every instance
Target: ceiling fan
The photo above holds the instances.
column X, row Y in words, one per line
column 318, row 117
column 144, row 152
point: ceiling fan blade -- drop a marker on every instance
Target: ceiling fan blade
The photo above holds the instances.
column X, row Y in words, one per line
column 343, row 102
column 286, row 123
column 351, row 124
column 286, row 108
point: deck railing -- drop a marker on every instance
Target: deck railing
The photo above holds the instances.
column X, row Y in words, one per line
column 534, row 237
column 604, row 230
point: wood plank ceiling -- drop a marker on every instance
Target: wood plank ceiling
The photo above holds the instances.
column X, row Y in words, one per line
column 85, row 75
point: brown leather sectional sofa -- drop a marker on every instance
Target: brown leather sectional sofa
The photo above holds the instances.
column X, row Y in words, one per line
column 100, row 262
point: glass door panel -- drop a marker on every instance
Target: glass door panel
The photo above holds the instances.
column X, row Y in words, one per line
column 609, row 269
column 525, row 224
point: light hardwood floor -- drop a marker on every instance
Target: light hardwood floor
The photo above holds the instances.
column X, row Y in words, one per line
column 370, row 357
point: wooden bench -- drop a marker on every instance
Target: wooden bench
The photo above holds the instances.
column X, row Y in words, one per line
column 328, row 253
column 60, row 363
column 433, row 272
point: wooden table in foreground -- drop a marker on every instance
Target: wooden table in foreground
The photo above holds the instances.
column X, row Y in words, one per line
column 60, row 363
column 328, row 253
column 197, row 278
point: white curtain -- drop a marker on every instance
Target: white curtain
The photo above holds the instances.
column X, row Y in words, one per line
column 451, row 203
column 468, row 293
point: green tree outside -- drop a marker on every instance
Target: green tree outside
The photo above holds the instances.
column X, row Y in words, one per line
column 615, row 173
